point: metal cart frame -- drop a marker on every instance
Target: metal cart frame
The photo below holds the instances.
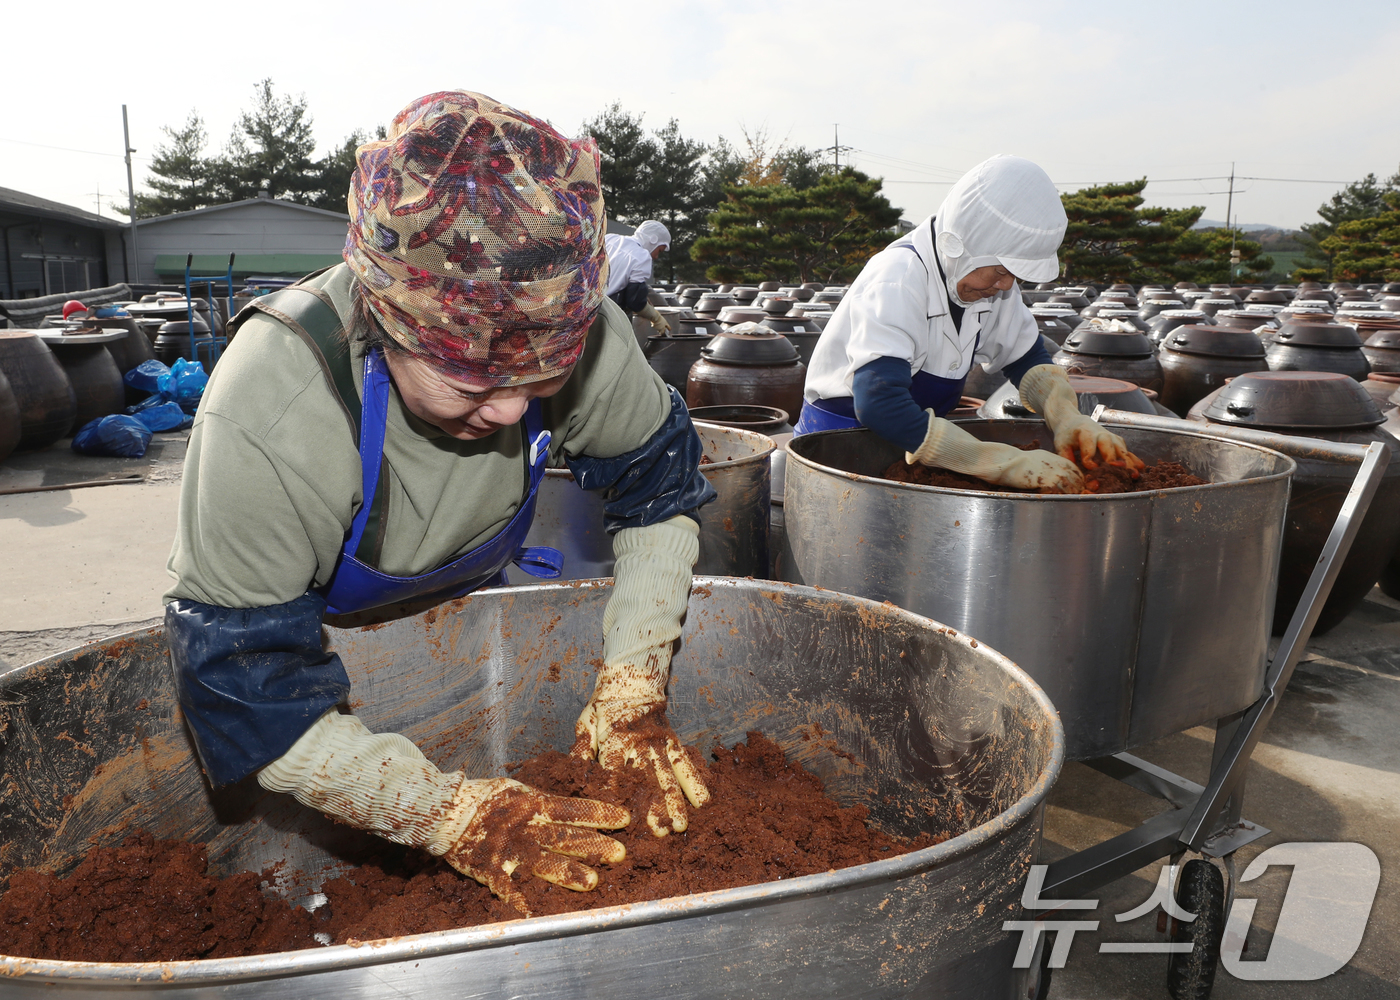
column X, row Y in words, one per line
column 217, row 342
column 1206, row 819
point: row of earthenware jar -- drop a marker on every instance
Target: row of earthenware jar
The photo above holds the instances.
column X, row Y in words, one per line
column 774, row 330
column 57, row 378
column 1303, row 360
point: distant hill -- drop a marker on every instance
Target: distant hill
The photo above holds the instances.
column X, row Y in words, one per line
column 1248, row 227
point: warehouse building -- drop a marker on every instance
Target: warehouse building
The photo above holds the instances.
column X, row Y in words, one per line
column 268, row 237
column 47, row 248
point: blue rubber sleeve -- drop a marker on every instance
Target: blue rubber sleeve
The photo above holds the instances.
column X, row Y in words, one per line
column 632, row 297
column 653, row 483
column 251, row 681
column 884, row 404
column 1037, row 355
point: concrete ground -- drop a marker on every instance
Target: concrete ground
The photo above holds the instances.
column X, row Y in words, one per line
column 80, row 564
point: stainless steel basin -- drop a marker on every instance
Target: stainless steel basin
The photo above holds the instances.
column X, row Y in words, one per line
column 733, row 527
column 1140, row 614
column 934, row 732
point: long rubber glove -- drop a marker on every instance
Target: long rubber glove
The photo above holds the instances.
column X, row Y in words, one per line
column 648, row 312
column 625, row 720
column 948, row 446
column 485, row 828
column 1045, row 389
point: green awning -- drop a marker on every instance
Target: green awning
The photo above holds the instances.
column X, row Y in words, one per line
column 281, row 265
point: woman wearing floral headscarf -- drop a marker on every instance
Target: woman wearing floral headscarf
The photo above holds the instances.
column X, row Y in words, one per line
column 376, row 434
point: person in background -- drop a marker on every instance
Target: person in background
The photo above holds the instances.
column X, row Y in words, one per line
column 630, row 260
column 939, row 299
column 376, row 434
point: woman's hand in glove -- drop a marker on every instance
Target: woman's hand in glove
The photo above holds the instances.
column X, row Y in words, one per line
column 657, row 321
column 506, row 826
column 485, row 828
column 625, row 721
column 948, row 446
column 1045, row 389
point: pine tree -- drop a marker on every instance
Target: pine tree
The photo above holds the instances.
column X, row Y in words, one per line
column 1363, row 199
column 1368, row 249
column 335, row 169
column 658, row 175
column 1110, row 237
column 270, row 150
column 773, row 231
column 180, row 173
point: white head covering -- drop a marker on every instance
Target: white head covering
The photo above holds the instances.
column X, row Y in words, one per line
column 652, row 234
column 1003, row 211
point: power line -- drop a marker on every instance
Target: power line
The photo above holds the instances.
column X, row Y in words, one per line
column 69, row 149
column 1290, row 180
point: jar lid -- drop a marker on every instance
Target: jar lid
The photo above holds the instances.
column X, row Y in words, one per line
column 1108, row 343
column 1301, row 333
column 759, row 347
column 740, row 314
column 1214, row 341
column 1294, row 401
column 175, row 326
column 1389, row 337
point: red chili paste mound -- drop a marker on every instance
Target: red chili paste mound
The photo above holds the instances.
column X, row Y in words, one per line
column 1103, row 479
column 152, row 900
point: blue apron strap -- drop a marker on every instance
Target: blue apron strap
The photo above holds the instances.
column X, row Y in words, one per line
column 538, row 560
column 374, row 417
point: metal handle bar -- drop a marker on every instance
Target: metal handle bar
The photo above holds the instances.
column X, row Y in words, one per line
column 1229, row 771
column 1293, row 447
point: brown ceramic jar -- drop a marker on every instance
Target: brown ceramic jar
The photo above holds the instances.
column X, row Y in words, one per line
column 1105, row 354
column 1197, row 360
column 758, row 369
column 45, row 399
column 1333, row 407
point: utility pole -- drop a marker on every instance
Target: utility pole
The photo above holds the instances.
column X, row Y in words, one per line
column 1229, row 207
column 130, row 198
column 836, row 148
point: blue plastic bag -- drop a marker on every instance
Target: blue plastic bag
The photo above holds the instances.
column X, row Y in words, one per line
column 164, row 415
column 187, row 382
column 146, row 377
column 115, row 434
column 183, row 383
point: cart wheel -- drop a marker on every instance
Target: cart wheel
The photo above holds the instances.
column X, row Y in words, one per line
column 1200, row 889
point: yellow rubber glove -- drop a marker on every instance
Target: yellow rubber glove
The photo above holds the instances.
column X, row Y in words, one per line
column 485, row 828
column 625, row 720
column 658, row 321
column 1045, row 389
column 948, row 446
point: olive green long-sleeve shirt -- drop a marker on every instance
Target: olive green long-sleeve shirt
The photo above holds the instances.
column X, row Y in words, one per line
column 272, row 474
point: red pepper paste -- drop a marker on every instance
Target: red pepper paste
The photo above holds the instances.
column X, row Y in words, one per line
column 152, row 900
column 1104, row 478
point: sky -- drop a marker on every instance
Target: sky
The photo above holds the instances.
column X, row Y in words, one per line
column 921, row 91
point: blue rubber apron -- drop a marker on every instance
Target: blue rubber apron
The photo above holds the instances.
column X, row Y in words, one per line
column 357, row 586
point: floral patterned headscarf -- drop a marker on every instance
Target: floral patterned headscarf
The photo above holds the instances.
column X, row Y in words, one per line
column 476, row 232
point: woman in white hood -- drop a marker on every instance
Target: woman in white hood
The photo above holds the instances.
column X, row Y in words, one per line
column 630, row 260
column 939, row 299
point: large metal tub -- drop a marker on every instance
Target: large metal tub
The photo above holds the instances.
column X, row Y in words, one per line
column 733, row 527
column 1140, row 614
column 928, row 728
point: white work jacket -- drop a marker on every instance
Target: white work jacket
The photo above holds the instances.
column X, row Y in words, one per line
column 898, row 308
column 628, row 262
